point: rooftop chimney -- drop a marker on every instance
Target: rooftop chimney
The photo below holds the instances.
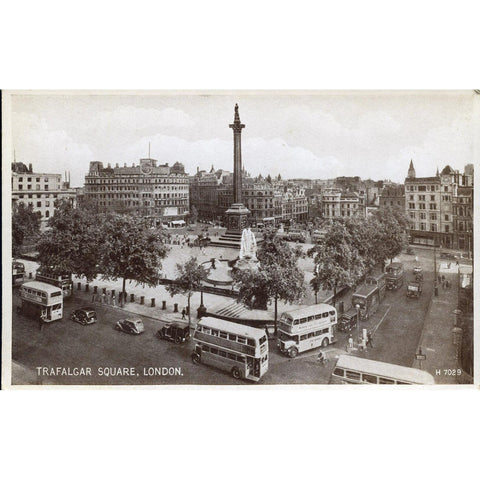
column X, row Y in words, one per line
column 30, row 168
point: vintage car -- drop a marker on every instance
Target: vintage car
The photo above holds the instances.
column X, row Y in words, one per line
column 348, row 320
column 84, row 316
column 176, row 332
column 414, row 289
column 130, row 325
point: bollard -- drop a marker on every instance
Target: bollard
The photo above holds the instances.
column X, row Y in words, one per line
column 87, row 287
column 175, row 308
column 132, row 297
column 153, row 302
column 79, row 286
column 164, row 304
column 95, row 288
column 142, row 300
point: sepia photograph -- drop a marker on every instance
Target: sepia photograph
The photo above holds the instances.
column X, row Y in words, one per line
column 239, row 238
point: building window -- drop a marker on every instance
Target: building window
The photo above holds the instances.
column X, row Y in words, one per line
column 47, row 213
column 433, row 206
column 39, row 204
column 421, row 206
column 29, row 187
column 20, row 179
column 433, row 227
column 433, row 216
column 447, row 228
column 20, row 187
column 29, row 179
column 37, row 179
column 422, row 226
column 432, row 197
column 423, row 216
column 421, row 198
column 411, row 206
column 446, row 218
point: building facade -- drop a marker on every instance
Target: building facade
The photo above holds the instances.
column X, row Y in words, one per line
column 392, row 196
column 156, row 191
column 433, row 207
column 40, row 190
column 339, row 204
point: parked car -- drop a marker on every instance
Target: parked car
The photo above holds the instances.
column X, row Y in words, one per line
column 417, row 269
column 84, row 316
column 175, row 332
column 130, row 325
column 348, row 320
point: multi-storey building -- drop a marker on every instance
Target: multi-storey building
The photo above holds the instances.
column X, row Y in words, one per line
column 463, row 212
column 261, row 198
column 392, row 196
column 159, row 192
column 432, row 205
column 204, row 187
column 40, row 190
column 339, row 204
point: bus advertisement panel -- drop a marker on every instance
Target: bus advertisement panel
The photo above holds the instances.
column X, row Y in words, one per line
column 355, row 370
column 306, row 328
column 238, row 349
column 42, row 301
column 61, row 280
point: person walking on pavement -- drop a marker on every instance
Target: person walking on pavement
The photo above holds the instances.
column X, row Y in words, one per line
column 350, row 342
column 183, row 313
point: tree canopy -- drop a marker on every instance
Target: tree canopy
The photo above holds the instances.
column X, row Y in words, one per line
column 25, row 224
column 277, row 277
column 73, row 241
column 190, row 276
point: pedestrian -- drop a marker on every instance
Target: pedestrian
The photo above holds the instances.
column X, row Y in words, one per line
column 113, row 299
column 104, row 298
column 183, row 313
column 266, row 331
column 416, row 258
column 350, row 342
column 364, row 343
column 322, row 358
column 369, row 339
column 457, row 264
column 443, row 278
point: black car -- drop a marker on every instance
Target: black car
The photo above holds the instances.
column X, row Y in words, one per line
column 130, row 325
column 84, row 316
column 348, row 320
column 175, row 332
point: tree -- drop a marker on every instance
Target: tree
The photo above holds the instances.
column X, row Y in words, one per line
column 277, row 277
column 390, row 240
column 25, row 224
column 189, row 279
column 73, row 241
column 279, row 177
column 337, row 261
column 132, row 250
column 268, row 179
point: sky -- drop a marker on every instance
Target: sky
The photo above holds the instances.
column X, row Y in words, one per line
column 298, row 135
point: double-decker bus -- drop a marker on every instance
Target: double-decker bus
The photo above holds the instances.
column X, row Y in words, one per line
column 41, row 300
column 395, row 275
column 306, row 328
column 18, row 273
column 238, row 349
column 350, row 369
column 59, row 280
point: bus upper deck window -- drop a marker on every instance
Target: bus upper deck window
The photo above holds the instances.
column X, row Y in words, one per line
column 295, row 322
column 339, row 372
column 332, row 312
column 251, row 342
column 325, row 314
column 352, row 375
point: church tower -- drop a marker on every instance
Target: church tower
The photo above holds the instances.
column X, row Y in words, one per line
column 411, row 170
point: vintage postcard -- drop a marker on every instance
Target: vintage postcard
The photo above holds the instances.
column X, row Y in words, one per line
column 238, row 238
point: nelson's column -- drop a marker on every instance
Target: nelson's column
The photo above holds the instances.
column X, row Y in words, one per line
column 237, row 214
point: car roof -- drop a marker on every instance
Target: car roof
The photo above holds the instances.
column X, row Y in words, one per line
column 177, row 324
column 86, row 309
column 133, row 320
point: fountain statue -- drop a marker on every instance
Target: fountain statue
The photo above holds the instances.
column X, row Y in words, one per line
column 248, row 245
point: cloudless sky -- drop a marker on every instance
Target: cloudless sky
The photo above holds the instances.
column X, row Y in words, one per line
column 303, row 134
